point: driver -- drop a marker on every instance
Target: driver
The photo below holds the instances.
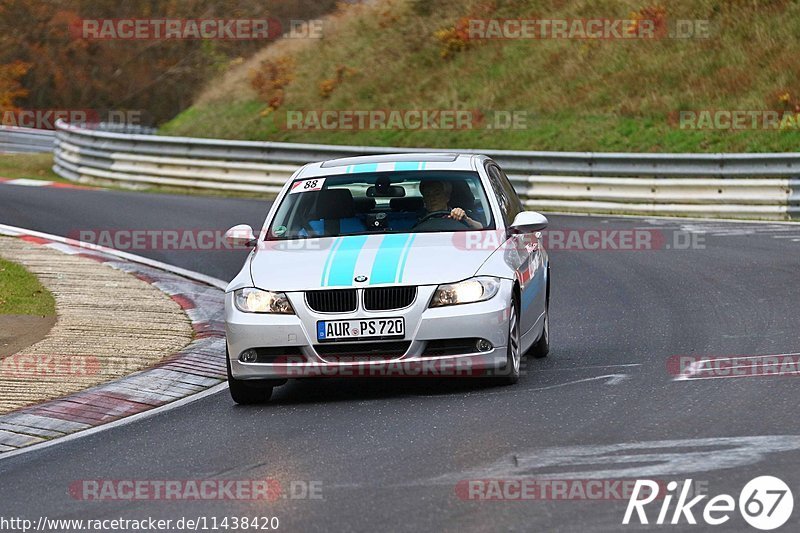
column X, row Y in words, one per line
column 436, row 195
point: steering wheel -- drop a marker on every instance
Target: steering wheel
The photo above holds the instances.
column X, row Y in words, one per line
column 434, row 214
column 445, row 214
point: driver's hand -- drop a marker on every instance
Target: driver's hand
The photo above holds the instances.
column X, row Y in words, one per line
column 458, row 214
column 461, row 215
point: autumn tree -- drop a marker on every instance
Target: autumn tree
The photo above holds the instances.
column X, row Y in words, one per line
column 10, row 87
column 158, row 77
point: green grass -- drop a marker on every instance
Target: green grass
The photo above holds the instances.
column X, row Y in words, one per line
column 31, row 166
column 579, row 95
column 22, row 294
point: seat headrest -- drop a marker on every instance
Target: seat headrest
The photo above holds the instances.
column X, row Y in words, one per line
column 364, row 205
column 335, row 203
column 409, row 203
column 462, row 195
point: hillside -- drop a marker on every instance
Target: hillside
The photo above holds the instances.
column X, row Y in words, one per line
column 572, row 94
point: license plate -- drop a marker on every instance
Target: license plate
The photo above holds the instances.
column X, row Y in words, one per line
column 370, row 328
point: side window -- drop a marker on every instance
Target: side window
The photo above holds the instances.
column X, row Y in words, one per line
column 515, row 203
column 507, row 207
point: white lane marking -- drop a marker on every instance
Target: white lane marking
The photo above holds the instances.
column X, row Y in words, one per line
column 714, row 222
column 610, row 379
column 654, row 219
column 589, row 367
column 630, row 459
column 117, row 423
column 776, row 230
column 29, row 182
column 215, row 282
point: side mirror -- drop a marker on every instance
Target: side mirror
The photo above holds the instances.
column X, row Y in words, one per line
column 528, row 222
column 241, row 236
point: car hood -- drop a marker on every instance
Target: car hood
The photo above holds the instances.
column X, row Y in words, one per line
column 406, row 259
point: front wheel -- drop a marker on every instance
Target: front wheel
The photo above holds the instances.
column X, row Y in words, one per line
column 246, row 392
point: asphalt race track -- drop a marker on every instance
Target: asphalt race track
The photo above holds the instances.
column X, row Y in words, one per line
column 393, row 452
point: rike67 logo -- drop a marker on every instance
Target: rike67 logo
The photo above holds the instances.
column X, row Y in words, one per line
column 766, row 503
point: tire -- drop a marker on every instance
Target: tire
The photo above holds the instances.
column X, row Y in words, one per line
column 510, row 372
column 247, row 392
column 542, row 347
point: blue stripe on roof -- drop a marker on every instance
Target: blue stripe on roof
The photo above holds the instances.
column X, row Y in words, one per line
column 367, row 167
column 408, row 165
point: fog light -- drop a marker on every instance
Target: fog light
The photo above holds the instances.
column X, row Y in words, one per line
column 483, row 345
column 248, row 356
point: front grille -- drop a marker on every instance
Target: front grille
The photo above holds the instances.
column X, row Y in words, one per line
column 388, row 298
column 372, row 351
column 333, row 301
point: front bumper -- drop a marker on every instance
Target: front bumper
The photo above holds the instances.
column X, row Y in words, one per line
column 484, row 320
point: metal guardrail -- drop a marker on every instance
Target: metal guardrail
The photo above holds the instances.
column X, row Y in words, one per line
column 762, row 186
column 15, row 139
column 26, row 140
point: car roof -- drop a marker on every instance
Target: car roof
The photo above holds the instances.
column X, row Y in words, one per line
column 390, row 163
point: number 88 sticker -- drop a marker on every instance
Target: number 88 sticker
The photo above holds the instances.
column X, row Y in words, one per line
column 766, row 503
column 307, row 185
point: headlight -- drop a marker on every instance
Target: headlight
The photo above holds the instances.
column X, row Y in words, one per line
column 251, row 300
column 465, row 292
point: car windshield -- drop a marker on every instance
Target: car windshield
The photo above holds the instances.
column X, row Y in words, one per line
column 382, row 202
